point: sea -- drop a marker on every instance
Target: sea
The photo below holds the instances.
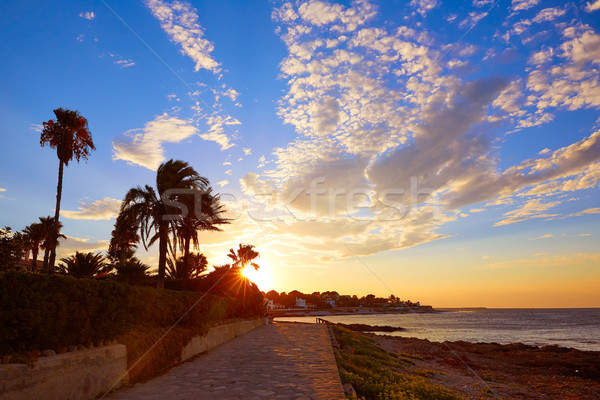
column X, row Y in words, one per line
column 577, row 328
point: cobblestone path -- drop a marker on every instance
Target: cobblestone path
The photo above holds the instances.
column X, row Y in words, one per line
column 277, row 361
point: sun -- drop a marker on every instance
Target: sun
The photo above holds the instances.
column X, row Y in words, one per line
column 262, row 277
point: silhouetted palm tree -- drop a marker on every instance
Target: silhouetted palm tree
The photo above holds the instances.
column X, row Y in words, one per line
column 50, row 241
column 70, row 136
column 207, row 214
column 34, row 235
column 243, row 256
column 154, row 214
column 179, row 270
column 132, row 271
column 124, row 239
column 83, row 265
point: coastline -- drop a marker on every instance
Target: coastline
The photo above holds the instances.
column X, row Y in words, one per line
column 291, row 312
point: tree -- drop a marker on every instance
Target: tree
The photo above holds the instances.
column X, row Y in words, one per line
column 12, row 248
column 132, row 271
column 244, row 256
column 124, row 239
column 155, row 214
column 206, row 215
column 34, row 235
column 50, row 240
column 83, row 265
column 179, row 270
column 70, row 136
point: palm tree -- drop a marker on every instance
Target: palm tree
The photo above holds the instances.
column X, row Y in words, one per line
column 243, row 256
column 70, row 136
column 179, row 270
column 49, row 241
column 132, row 271
column 34, row 235
column 83, row 265
column 124, row 239
column 155, row 214
column 207, row 215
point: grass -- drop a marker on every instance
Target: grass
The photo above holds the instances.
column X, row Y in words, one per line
column 376, row 374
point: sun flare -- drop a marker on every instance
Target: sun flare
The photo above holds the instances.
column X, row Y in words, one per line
column 262, row 277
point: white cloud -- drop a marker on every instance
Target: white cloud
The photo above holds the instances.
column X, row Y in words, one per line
column 216, row 130
column 520, row 5
column 89, row 15
column 72, row 244
column 424, row 6
column 123, row 63
column 144, row 146
column 549, row 14
column 592, row 6
column 106, row 208
column 180, row 21
column 222, row 183
column 531, row 209
column 542, row 261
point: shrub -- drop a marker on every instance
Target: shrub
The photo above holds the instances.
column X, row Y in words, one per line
column 51, row 311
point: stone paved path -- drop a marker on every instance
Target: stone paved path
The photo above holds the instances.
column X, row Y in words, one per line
column 278, row 361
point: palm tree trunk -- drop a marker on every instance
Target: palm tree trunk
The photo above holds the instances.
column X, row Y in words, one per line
column 162, row 253
column 46, row 257
column 56, row 215
column 186, row 263
column 34, row 254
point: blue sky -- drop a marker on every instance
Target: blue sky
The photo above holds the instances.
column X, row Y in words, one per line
column 313, row 119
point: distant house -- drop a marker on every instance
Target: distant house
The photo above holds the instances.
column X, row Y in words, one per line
column 273, row 306
column 311, row 306
column 26, row 264
column 300, row 303
column 330, row 302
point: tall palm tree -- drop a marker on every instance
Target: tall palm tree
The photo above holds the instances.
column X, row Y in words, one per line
column 154, row 211
column 208, row 211
column 83, row 265
column 34, row 234
column 243, row 256
column 70, row 136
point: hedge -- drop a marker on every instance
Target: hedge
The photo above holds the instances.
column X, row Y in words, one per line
column 40, row 312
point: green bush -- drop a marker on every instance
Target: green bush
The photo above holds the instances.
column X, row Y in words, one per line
column 51, row 311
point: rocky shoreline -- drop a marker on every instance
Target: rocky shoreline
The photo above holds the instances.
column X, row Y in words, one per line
column 347, row 311
column 514, row 371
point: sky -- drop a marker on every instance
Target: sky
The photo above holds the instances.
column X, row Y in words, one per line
column 444, row 152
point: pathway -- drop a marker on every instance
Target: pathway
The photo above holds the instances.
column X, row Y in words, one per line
column 277, row 361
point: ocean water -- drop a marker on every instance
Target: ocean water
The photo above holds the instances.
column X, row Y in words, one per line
column 577, row 328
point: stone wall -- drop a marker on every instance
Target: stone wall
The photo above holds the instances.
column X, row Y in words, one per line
column 77, row 375
column 86, row 374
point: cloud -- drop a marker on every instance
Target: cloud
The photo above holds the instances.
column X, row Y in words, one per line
column 222, row 183
column 520, row 5
column 72, row 244
column 180, row 21
column 531, row 209
column 540, row 261
column 89, row 15
column 144, row 146
column 123, row 63
column 106, row 208
column 216, row 130
column 546, row 236
column 424, row 6
column 592, row 6
column 586, row 212
column 2, row 190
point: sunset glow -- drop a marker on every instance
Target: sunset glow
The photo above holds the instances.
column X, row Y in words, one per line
column 439, row 152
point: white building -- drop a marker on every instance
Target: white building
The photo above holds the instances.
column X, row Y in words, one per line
column 300, row 303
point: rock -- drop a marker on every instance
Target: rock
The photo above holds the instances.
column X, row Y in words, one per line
column 48, row 353
column 90, row 345
column 99, row 343
column 349, row 390
column 71, row 348
column 61, row 350
column 81, row 347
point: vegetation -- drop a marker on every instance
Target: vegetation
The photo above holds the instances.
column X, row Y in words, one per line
column 70, row 136
column 43, row 311
column 83, row 265
column 244, row 256
column 377, row 374
column 12, row 248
